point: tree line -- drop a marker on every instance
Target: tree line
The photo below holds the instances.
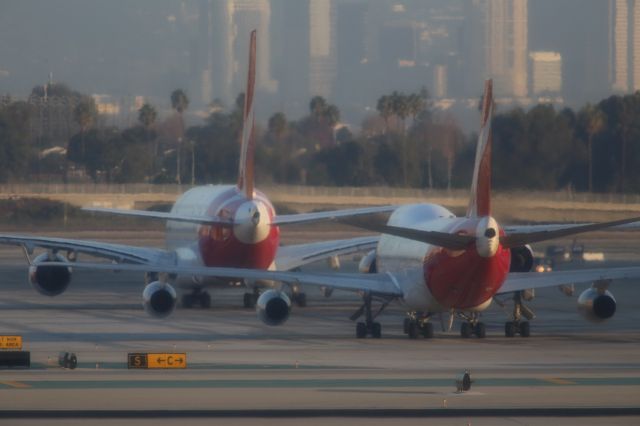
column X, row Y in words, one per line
column 405, row 143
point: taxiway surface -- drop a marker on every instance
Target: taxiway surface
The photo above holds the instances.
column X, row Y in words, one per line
column 313, row 362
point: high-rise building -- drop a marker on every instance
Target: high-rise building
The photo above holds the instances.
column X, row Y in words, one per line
column 546, row 72
column 440, row 81
column 619, row 37
column 232, row 22
column 322, row 47
column 506, row 46
column 624, row 45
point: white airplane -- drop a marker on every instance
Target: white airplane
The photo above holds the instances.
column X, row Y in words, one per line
column 432, row 262
column 209, row 226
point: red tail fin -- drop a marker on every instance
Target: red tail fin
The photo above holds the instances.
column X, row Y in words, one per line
column 245, row 170
column 480, row 201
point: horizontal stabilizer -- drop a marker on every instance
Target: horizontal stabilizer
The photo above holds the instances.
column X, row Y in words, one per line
column 441, row 239
column 520, row 239
column 203, row 220
column 290, row 219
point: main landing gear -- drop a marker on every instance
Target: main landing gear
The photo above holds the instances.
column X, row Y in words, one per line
column 472, row 325
column 298, row 296
column 369, row 326
column 249, row 300
column 518, row 326
column 417, row 324
column 196, row 297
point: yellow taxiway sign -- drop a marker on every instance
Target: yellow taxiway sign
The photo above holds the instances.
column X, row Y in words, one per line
column 156, row 360
column 10, row 342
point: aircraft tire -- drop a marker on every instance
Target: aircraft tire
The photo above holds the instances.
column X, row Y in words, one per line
column 509, row 329
column 405, row 325
column 361, row 330
column 427, row 331
column 466, row 330
column 205, row 300
column 249, row 300
column 301, row 299
column 188, row 301
column 376, row 330
column 413, row 330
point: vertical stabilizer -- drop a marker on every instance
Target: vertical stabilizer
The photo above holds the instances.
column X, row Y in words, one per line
column 245, row 170
column 480, row 200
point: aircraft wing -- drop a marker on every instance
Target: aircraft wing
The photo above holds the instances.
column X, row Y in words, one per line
column 379, row 284
column 517, row 281
column 116, row 252
column 552, row 227
column 296, row 255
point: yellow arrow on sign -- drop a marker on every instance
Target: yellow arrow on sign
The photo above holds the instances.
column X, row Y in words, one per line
column 10, row 342
column 170, row 360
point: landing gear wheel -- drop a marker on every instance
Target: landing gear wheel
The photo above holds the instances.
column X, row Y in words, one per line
column 249, row 300
column 413, row 330
column 427, row 330
column 361, row 330
column 205, row 300
column 188, row 300
column 466, row 330
column 405, row 325
column 524, row 329
column 509, row 329
column 376, row 330
column 300, row 299
column 480, row 330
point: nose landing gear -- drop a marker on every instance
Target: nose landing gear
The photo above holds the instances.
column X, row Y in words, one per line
column 472, row 325
column 418, row 324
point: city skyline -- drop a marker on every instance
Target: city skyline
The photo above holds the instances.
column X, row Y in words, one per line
column 348, row 51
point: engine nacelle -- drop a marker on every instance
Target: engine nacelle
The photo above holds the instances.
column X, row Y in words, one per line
column 49, row 280
column 521, row 259
column 159, row 299
column 368, row 264
column 596, row 305
column 273, row 307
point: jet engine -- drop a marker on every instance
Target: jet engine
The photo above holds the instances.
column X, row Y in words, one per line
column 596, row 305
column 368, row 264
column 49, row 280
column 159, row 299
column 521, row 259
column 273, row 307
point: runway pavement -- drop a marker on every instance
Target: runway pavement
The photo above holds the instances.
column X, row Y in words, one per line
column 313, row 363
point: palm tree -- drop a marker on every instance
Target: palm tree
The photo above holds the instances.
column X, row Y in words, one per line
column 595, row 123
column 317, row 107
column 278, row 125
column 85, row 114
column 147, row 115
column 416, row 104
column 332, row 114
column 400, row 104
column 179, row 102
column 385, row 108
